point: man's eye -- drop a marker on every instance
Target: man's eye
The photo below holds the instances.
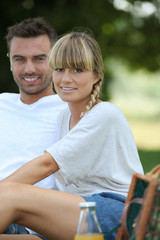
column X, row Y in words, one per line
column 40, row 59
column 79, row 70
column 19, row 59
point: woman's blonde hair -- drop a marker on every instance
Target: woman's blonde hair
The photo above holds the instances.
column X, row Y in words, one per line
column 79, row 50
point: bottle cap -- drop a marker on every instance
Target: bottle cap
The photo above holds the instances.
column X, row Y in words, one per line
column 87, row 204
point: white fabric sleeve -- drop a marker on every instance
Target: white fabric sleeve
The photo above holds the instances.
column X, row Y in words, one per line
column 73, row 153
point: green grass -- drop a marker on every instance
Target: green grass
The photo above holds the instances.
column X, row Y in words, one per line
column 149, row 159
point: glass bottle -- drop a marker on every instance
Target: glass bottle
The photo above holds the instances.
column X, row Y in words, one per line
column 88, row 226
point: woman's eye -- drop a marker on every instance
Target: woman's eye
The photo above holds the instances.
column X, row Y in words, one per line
column 58, row 69
column 79, row 70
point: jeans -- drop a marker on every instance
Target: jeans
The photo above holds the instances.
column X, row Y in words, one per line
column 18, row 229
column 109, row 207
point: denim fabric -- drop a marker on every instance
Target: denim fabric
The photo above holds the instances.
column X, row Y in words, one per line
column 18, row 229
column 109, row 207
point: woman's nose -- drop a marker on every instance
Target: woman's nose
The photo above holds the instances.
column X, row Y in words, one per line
column 67, row 76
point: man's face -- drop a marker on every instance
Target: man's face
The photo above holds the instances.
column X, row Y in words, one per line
column 29, row 64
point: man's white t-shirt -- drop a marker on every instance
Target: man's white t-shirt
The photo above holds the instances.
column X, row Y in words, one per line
column 98, row 154
column 26, row 130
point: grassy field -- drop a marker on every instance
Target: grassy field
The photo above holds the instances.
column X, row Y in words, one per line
column 147, row 138
column 136, row 93
column 149, row 159
column 146, row 133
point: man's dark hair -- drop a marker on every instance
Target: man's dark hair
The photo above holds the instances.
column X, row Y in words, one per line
column 31, row 27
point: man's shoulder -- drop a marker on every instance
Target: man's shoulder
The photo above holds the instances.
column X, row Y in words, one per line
column 52, row 99
column 9, row 96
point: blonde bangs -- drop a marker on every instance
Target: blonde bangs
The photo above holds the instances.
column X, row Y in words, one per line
column 71, row 52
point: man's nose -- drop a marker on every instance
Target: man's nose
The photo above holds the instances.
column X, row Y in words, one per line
column 29, row 67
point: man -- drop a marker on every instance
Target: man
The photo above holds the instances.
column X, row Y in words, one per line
column 28, row 120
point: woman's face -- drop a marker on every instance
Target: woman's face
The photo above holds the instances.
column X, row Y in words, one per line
column 74, row 84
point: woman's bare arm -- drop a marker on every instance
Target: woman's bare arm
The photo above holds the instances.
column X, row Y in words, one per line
column 35, row 170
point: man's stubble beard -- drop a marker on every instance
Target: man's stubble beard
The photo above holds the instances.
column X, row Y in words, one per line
column 45, row 84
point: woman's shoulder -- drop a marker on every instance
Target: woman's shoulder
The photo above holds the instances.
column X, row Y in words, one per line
column 106, row 112
column 106, row 109
column 64, row 114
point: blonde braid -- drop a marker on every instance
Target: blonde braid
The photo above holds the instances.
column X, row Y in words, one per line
column 94, row 96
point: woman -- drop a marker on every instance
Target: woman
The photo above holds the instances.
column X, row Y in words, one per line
column 94, row 159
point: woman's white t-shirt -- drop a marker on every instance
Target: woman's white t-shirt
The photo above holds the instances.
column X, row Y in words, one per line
column 97, row 155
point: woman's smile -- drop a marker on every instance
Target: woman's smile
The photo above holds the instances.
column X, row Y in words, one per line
column 68, row 89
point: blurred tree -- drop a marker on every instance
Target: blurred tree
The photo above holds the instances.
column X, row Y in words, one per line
column 127, row 30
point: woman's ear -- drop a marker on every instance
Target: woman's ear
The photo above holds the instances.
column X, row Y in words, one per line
column 96, row 78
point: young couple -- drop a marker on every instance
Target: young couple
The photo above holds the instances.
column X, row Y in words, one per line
column 93, row 160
